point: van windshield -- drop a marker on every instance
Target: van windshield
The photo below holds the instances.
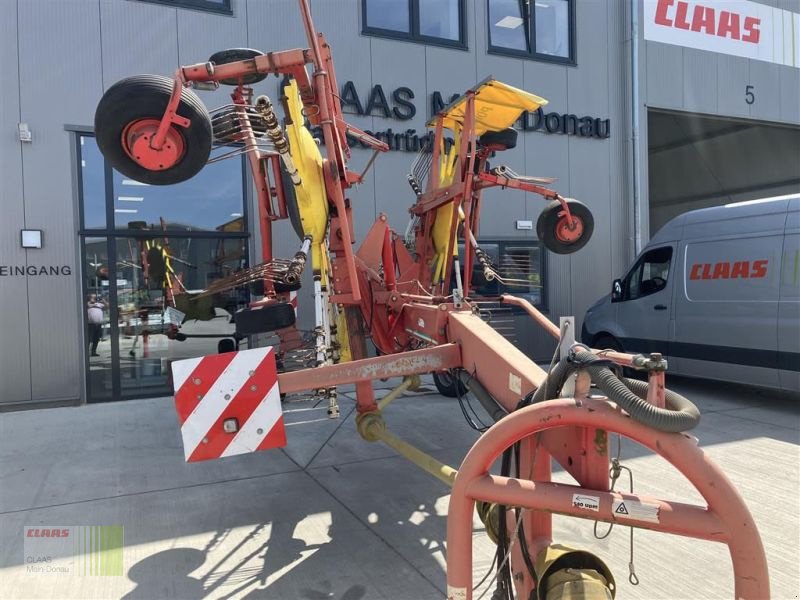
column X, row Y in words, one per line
column 650, row 274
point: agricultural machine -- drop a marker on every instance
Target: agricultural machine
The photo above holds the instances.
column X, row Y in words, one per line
column 412, row 296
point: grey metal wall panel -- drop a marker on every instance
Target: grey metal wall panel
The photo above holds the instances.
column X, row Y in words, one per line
column 73, row 30
column 591, row 268
column 589, row 159
column 340, row 22
column 548, row 155
column 447, row 71
column 733, row 77
column 619, row 155
column 395, row 64
column 766, row 81
column 790, row 95
column 15, row 377
column 699, row 81
column 200, row 34
column 137, row 37
column 274, row 25
column 664, row 75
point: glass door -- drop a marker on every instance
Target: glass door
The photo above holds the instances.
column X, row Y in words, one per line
column 147, row 252
column 160, row 317
column 98, row 319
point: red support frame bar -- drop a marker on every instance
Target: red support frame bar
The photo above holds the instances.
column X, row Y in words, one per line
column 414, row 362
column 726, row 518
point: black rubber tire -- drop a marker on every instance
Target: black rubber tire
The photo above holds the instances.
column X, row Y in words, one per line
column 607, row 342
column 252, row 321
column 506, row 138
column 156, row 265
column 448, row 385
column 226, row 345
column 548, row 220
column 224, row 57
column 143, row 97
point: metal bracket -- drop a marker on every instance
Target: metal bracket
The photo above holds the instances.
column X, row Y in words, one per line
column 567, row 327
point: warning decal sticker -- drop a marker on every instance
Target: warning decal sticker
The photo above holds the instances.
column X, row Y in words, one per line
column 635, row 509
column 586, row 502
column 456, row 593
column 515, row 383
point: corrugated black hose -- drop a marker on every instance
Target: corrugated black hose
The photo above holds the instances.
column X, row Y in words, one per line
column 680, row 414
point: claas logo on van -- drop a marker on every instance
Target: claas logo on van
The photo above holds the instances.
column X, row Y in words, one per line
column 742, row 269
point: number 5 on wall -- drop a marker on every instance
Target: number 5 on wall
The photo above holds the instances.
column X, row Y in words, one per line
column 749, row 97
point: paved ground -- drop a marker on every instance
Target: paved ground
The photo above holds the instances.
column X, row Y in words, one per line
column 334, row 517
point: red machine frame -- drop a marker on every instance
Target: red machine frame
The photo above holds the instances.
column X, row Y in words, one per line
column 419, row 326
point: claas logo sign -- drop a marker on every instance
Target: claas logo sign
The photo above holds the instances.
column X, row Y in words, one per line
column 741, row 269
column 711, row 20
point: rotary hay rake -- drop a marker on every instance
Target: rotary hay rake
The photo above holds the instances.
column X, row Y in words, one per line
column 412, row 295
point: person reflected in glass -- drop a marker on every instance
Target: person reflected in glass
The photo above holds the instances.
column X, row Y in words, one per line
column 95, row 316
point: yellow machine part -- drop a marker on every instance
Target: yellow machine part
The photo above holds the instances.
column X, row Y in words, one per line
column 497, row 107
column 343, row 337
column 312, row 200
column 565, row 573
column 444, row 214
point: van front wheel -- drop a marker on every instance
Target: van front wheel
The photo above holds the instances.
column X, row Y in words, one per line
column 607, row 342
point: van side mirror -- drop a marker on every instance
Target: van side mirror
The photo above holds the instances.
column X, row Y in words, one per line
column 616, row 290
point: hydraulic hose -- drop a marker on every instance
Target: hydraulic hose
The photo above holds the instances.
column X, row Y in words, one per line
column 489, row 404
column 676, row 404
column 679, row 415
column 555, row 379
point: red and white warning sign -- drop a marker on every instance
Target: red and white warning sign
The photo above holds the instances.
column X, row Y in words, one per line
column 228, row 404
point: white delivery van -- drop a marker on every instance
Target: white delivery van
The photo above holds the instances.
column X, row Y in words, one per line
column 717, row 291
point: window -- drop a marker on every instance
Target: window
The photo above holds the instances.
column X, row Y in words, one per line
column 649, row 275
column 519, row 262
column 428, row 21
column 220, row 6
column 538, row 29
column 212, row 200
column 146, row 250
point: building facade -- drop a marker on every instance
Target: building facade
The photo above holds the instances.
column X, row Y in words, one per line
column 691, row 115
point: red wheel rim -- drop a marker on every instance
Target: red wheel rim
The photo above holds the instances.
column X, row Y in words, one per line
column 569, row 233
column 136, row 142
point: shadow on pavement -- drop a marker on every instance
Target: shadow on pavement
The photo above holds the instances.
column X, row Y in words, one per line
column 166, row 574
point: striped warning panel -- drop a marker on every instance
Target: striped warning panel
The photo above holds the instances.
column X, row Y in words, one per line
column 228, row 404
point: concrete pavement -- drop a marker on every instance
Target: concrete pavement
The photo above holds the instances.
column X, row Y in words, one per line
column 333, row 516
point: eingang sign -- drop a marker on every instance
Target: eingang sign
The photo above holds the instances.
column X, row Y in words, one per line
column 735, row 27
